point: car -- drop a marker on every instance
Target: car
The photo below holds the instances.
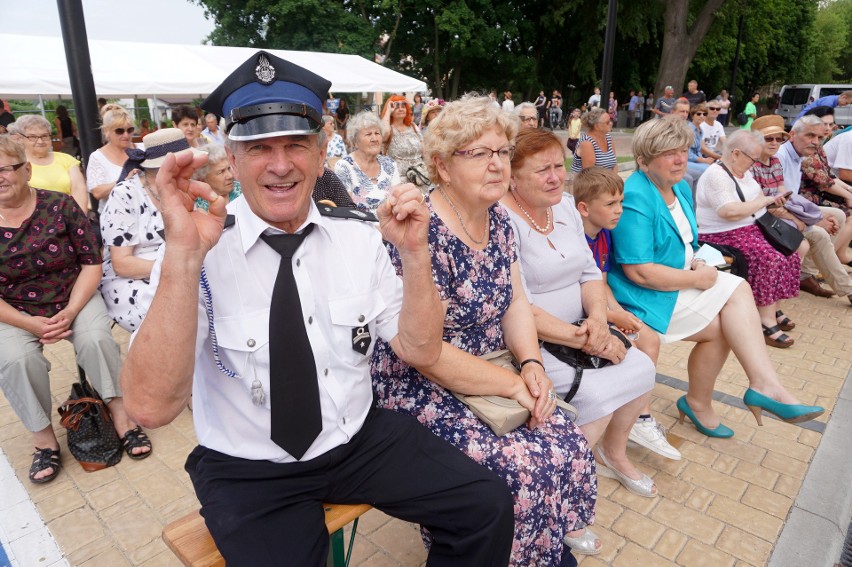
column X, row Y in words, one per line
column 795, row 97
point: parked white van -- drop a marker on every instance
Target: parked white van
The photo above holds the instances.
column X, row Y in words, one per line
column 795, row 97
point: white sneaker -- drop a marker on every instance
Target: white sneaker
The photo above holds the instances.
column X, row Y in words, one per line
column 652, row 435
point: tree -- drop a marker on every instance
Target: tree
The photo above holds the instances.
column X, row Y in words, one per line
column 832, row 42
column 681, row 39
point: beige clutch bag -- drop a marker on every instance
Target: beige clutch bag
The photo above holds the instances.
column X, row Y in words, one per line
column 501, row 414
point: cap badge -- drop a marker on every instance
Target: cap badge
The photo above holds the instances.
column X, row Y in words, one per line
column 264, row 72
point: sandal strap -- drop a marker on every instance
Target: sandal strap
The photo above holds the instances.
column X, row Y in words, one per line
column 45, row 458
column 771, row 330
column 136, row 438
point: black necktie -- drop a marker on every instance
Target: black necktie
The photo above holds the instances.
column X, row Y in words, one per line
column 293, row 388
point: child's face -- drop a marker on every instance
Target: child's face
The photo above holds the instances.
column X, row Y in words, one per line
column 605, row 211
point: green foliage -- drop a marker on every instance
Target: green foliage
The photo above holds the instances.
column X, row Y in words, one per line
column 528, row 45
column 833, row 42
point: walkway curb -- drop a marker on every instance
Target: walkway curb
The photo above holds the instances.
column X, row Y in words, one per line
column 816, row 527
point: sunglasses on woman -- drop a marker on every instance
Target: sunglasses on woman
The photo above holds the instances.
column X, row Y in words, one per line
column 398, row 104
column 779, row 139
column 121, row 131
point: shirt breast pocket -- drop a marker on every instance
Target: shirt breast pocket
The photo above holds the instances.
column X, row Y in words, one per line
column 239, row 339
column 353, row 319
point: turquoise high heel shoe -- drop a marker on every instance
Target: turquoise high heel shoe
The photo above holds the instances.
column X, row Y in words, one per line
column 721, row 431
column 791, row 413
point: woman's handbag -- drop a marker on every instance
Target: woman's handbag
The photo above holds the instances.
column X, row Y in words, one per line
column 783, row 237
column 91, row 436
column 579, row 360
column 501, row 414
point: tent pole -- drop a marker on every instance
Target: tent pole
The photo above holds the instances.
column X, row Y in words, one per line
column 80, row 74
column 41, row 106
column 156, row 125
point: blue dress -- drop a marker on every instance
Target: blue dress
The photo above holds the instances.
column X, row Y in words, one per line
column 550, row 470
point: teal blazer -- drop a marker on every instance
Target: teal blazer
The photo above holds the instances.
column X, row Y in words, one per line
column 647, row 234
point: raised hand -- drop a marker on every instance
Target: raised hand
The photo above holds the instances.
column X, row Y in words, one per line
column 193, row 230
column 404, row 218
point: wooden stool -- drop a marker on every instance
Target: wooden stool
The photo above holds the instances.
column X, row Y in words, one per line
column 190, row 541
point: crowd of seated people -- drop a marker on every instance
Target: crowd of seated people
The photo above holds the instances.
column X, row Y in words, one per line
column 522, row 270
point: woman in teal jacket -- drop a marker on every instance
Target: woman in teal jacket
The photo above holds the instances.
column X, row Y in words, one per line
column 657, row 277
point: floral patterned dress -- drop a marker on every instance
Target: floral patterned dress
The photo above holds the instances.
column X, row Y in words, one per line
column 816, row 177
column 549, row 470
column 367, row 193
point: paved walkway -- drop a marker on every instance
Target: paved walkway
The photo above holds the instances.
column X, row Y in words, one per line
column 724, row 504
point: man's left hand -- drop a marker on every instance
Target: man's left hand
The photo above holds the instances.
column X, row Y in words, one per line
column 404, row 218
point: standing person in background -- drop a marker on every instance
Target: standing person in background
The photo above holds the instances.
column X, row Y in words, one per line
column 212, row 132
column 541, row 107
column 416, row 108
column 508, row 105
column 595, row 99
column 649, row 105
column 693, row 95
column 555, row 109
column 401, row 136
column 631, row 110
column 725, row 107
column 66, row 131
column 341, row 117
column 751, row 111
column 612, row 108
column 665, row 104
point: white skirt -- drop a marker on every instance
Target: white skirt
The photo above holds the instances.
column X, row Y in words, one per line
column 696, row 308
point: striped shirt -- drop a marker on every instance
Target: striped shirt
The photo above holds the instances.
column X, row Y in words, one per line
column 604, row 159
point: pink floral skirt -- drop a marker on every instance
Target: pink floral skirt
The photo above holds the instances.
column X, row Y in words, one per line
column 772, row 275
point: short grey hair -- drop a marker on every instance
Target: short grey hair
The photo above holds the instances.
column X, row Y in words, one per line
column 525, row 106
column 802, row 123
column 743, row 140
column 360, row 121
column 215, row 154
column 656, row 137
column 592, row 117
column 35, row 121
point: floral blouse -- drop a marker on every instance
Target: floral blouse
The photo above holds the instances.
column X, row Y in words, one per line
column 366, row 192
column 40, row 260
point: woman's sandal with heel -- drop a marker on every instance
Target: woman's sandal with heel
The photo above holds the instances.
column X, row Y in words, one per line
column 781, row 341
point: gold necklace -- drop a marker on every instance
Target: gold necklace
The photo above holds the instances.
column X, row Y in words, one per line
column 458, row 215
column 548, row 214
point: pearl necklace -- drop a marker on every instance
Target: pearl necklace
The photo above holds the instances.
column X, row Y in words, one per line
column 458, row 215
column 548, row 213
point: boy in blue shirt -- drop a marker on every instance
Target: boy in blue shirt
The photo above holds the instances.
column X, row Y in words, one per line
column 598, row 195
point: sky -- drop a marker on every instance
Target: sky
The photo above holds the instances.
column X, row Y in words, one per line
column 160, row 21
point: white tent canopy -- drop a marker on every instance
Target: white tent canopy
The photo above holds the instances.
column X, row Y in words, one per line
column 36, row 65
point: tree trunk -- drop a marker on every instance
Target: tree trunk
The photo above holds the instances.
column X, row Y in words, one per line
column 680, row 42
column 454, row 89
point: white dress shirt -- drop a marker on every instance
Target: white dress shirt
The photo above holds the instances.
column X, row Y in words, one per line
column 791, row 162
column 346, row 285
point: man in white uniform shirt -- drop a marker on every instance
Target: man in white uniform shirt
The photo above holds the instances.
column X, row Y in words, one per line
column 222, row 344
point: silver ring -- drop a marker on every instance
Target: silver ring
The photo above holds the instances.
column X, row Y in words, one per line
column 551, row 394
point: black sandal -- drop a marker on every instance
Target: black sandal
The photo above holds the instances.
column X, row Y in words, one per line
column 781, row 341
column 784, row 322
column 44, row 459
column 134, row 439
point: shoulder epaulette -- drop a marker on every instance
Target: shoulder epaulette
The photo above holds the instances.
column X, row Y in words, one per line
column 346, row 213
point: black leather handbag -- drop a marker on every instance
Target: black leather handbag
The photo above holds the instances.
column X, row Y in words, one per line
column 579, row 360
column 91, row 436
column 783, row 237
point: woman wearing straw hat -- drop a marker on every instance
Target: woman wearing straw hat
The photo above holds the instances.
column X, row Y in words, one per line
column 132, row 227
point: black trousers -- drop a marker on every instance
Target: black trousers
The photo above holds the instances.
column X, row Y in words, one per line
column 264, row 513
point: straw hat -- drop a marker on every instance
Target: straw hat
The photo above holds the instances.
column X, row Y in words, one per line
column 162, row 142
column 769, row 124
column 431, row 106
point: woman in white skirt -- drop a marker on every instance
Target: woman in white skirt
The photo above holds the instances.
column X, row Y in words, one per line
column 657, row 278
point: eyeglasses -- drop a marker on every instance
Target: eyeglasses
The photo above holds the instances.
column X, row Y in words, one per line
column 699, row 113
column 37, row 138
column 398, row 104
column 483, row 155
column 529, row 118
column 121, row 131
column 779, row 139
column 13, row 167
column 753, row 160
column 714, row 108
